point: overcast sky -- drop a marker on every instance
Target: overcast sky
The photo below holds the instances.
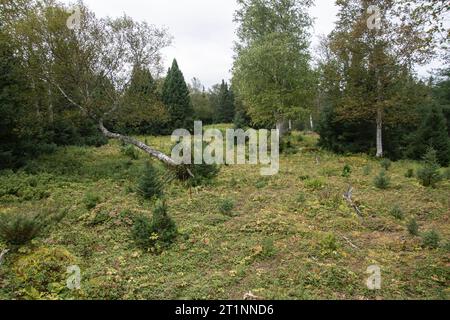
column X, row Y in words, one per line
column 203, row 30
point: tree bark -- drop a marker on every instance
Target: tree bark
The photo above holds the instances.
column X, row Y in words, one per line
column 380, row 152
column 150, row 151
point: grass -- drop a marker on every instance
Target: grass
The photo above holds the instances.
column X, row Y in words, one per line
column 290, row 236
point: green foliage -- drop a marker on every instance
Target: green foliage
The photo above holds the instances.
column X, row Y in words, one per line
column 446, row 174
column 150, row 184
column 409, row 173
column 225, row 108
column 413, row 227
column 157, row 233
column 20, row 227
column 226, row 206
column 328, row 243
column 314, row 184
column 130, row 151
column 268, row 248
column 347, row 171
column 91, row 200
column 367, row 170
column 433, row 133
column 43, row 273
column 287, row 145
column 382, row 181
column 397, row 212
column 175, row 95
column 431, row 239
column 429, row 174
column 241, row 120
column 386, row 164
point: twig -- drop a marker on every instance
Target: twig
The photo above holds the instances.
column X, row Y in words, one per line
column 348, row 197
column 350, row 243
column 2, row 255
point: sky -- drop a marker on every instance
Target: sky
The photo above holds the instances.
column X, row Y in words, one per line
column 203, row 30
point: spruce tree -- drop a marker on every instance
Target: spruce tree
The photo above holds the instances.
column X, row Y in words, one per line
column 225, row 105
column 433, row 133
column 175, row 96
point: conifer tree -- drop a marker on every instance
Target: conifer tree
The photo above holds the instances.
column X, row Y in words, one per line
column 175, row 96
column 433, row 133
column 225, row 105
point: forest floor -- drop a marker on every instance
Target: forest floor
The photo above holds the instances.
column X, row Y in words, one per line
column 290, row 236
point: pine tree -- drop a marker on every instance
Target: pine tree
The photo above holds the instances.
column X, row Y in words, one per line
column 225, row 104
column 433, row 133
column 175, row 96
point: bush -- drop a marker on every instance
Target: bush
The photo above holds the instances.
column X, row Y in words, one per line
column 197, row 174
column 429, row 175
column 367, row 170
column 268, row 248
column 446, row 174
column 91, row 200
column 413, row 227
column 347, row 171
column 431, row 239
column 226, row 206
column 44, row 272
column 386, row 164
column 156, row 233
column 409, row 173
column 150, row 184
column 397, row 213
column 287, row 145
column 382, row 181
column 18, row 228
column 130, row 151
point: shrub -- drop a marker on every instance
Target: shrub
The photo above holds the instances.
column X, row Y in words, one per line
column 382, row 181
column 397, row 213
column 431, row 239
column 130, row 151
column 347, row 171
column 367, row 170
column 268, row 248
column 197, row 174
column 314, row 184
column 429, row 175
column 328, row 243
column 413, row 227
column 156, row 233
column 44, row 272
column 226, row 206
column 20, row 227
column 446, row 174
column 409, row 173
column 287, row 145
column 386, row 164
column 150, row 184
column 91, row 200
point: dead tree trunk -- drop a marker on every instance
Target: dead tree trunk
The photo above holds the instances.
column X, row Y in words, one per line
column 129, row 140
column 380, row 152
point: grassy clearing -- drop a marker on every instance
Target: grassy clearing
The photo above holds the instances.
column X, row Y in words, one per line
column 290, row 236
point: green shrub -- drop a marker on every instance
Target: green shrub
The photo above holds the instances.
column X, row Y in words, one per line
column 386, row 164
column 130, row 151
column 397, row 213
column 197, row 174
column 429, row 175
column 413, row 227
column 287, row 145
column 409, row 173
column 382, row 181
column 314, row 184
column 367, row 170
column 43, row 274
column 347, row 171
column 156, row 233
column 328, row 243
column 446, row 174
column 20, row 227
column 268, row 248
column 150, row 184
column 226, row 206
column 91, row 200
column 431, row 239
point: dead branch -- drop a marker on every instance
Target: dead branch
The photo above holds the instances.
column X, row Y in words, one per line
column 2, row 255
column 348, row 197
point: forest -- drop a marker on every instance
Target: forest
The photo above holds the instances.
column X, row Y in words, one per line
column 94, row 206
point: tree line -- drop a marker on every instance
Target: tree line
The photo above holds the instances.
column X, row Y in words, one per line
column 105, row 80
